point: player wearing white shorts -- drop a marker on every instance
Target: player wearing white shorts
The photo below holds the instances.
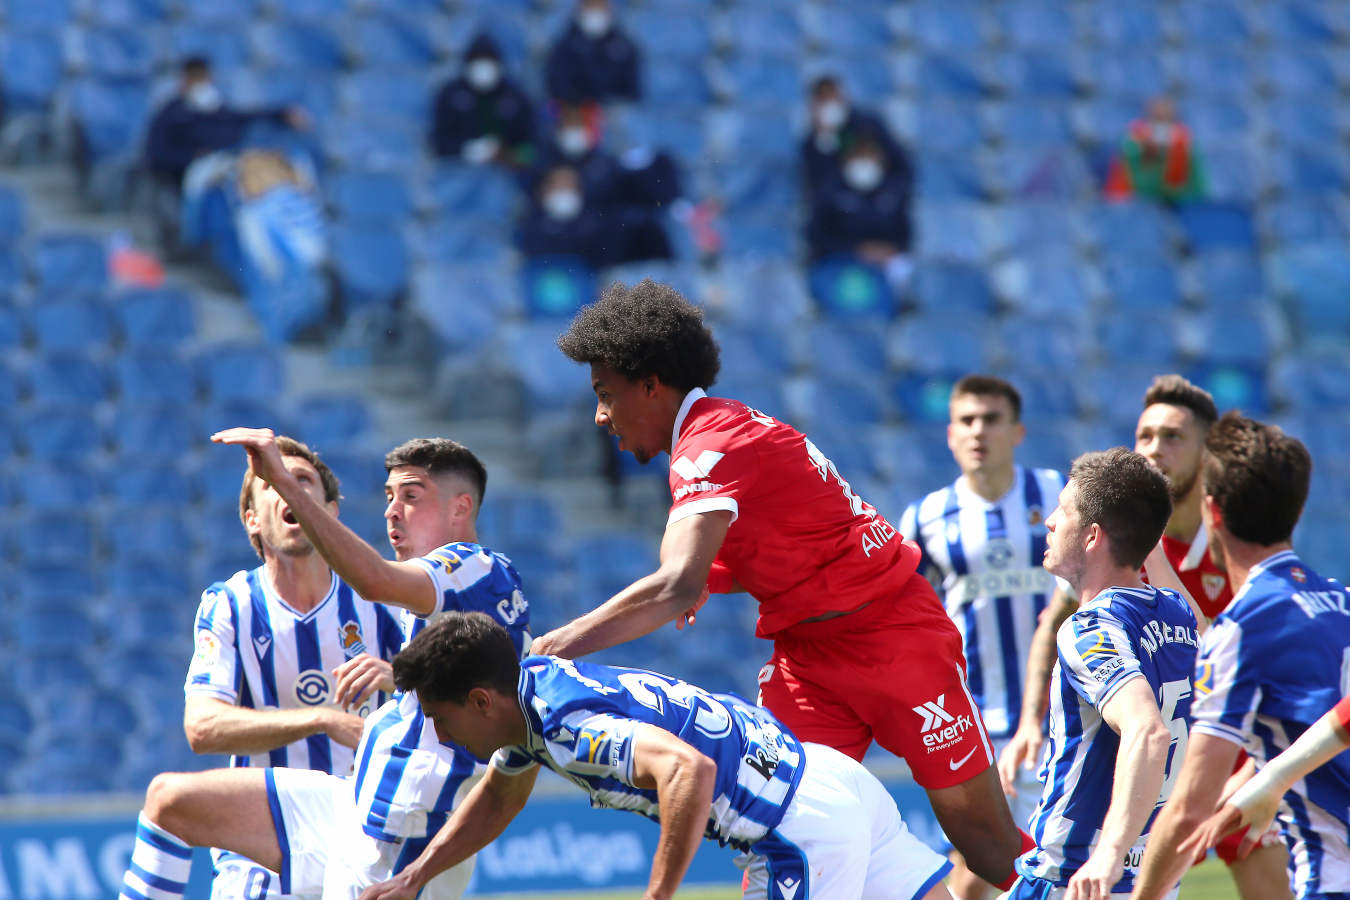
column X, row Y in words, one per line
column 983, row 539
column 810, row 821
column 261, row 681
column 334, row 835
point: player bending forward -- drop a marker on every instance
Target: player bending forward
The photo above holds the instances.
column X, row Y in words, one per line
column 810, row 821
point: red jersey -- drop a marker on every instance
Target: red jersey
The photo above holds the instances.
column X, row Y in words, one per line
column 1207, row 583
column 801, row 541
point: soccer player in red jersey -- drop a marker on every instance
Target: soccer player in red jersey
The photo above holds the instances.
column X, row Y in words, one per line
column 863, row 648
column 1170, row 434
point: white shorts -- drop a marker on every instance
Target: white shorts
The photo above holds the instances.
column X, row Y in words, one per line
column 324, row 851
column 841, row 839
column 240, row 878
column 1025, row 888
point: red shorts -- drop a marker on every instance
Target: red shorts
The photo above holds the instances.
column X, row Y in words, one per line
column 1227, row 849
column 887, row 674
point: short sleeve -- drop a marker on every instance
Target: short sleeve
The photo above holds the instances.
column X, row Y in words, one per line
column 710, row 472
column 453, row 570
column 512, row 761
column 213, row 670
column 1096, row 655
column 1227, row 686
column 598, row 746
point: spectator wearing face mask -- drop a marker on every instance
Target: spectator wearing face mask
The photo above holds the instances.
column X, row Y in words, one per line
column 575, row 142
column 562, row 222
column 196, row 122
column 863, row 211
column 594, row 60
column 1157, row 159
column 481, row 115
column 836, row 125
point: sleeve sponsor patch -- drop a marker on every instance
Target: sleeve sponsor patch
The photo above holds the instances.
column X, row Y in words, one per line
column 207, row 653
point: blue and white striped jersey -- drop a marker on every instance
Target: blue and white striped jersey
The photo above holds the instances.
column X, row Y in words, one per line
column 1273, row 662
column 583, row 718
column 407, row 782
column 989, row 558
column 1121, row 634
column 255, row 651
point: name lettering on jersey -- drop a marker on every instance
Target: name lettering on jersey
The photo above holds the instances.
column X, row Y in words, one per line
column 697, row 487
column 1155, row 634
column 511, row 608
column 940, row 728
column 702, row 467
column 261, row 644
column 312, row 687
column 764, row 761
column 350, row 635
column 876, row 535
column 1314, row 603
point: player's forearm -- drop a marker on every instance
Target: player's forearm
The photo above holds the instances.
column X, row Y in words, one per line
column 1041, row 657
column 685, row 797
column 478, row 821
column 222, row 728
column 637, row 610
column 1140, row 763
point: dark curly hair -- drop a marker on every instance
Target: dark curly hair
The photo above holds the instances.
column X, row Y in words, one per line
column 648, row 329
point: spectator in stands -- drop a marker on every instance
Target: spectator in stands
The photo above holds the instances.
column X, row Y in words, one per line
column 576, row 142
column 563, row 221
column 862, row 210
column 836, row 125
column 197, row 122
column 1157, row 159
column 482, row 115
column 594, row 60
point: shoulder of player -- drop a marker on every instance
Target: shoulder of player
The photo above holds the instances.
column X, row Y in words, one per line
column 718, row 414
column 935, row 506
column 230, row 591
column 457, row 553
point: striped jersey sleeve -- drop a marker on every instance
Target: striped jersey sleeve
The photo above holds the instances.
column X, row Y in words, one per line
column 1096, row 655
column 472, row 578
column 1227, row 692
column 214, row 668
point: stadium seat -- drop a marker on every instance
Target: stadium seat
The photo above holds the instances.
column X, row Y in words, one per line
column 863, row 74
column 462, row 239
column 388, row 40
column 68, row 261
column 1234, row 386
column 240, row 372
column 942, row 342
column 37, row 581
column 12, row 386
column 952, row 288
column 1032, row 123
column 226, row 48
column 30, row 68
column 519, row 518
column 1218, row 121
column 757, row 133
column 674, row 81
column 1234, row 172
column 848, row 287
column 947, row 125
column 610, row 561
column 402, row 93
column 331, row 420
column 686, row 38
column 1225, row 277
column 1028, row 343
column 756, row 237
column 1215, row 225
column 1299, row 23
column 1034, row 226
column 154, row 576
column 949, row 231
column 677, row 130
column 922, row 398
column 220, row 12
column 856, row 349
column 556, row 286
column 321, row 10
column 1309, row 170
column 374, row 140
column 122, row 52
column 942, row 177
column 155, row 376
column 110, row 116
column 1131, row 228
column 1315, row 280
column 55, row 538
column 1128, row 25
column 69, row 324
column 161, row 431
column 1232, row 334
column 755, row 30
column 478, row 191
column 69, row 377
column 147, row 532
column 13, row 210
column 370, row 197
column 1133, row 77
column 309, row 44
column 945, row 25
column 768, row 188
column 1038, row 24
column 52, row 485
column 757, row 80
column 1046, row 281
column 135, row 481
column 371, row 264
column 1141, row 285
column 154, row 318
column 1315, row 379
column 1306, row 74
column 1213, row 22
column 1039, row 172
column 551, row 380
column 1037, row 76
column 1305, row 220
column 826, row 404
column 1124, row 332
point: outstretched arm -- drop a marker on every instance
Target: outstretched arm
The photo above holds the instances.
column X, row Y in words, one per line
column 1144, row 740
column 1024, row 749
column 372, row 576
column 486, row 811
column 683, row 778
column 687, row 552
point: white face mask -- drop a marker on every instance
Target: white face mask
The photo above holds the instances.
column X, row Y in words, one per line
column 574, row 141
column 832, row 114
column 863, row 173
column 563, row 205
column 483, row 73
column 204, row 97
column 593, row 22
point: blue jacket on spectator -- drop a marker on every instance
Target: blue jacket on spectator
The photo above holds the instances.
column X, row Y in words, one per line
column 180, row 132
column 845, row 215
column 482, row 102
column 585, row 68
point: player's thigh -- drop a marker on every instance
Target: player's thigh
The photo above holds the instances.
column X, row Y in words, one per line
column 358, row 862
column 226, row 808
column 307, row 808
column 800, row 690
column 899, row 865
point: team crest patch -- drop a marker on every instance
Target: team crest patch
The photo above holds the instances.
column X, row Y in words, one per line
column 1035, row 516
column 1298, row 575
column 350, row 635
column 1213, row 585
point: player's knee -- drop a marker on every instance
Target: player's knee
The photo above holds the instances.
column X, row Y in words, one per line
column 165, row 801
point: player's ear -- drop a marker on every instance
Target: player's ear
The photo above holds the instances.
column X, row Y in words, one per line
column 1019, row 432
column 1210, row 512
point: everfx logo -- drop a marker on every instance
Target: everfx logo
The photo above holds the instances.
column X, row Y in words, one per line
column 934, row 714
column 940, row 728
column 702, row 467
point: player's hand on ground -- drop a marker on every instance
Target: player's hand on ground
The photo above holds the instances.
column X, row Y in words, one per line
column 261, row 446
column 360, row 677
column 1023, row 749
column 395, row 888
column 690, row 615
column 343, row 727
column 1096, row 878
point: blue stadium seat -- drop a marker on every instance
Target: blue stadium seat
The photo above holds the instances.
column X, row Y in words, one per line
column 556, row 286
column 1307, row 74
column 362, row 474
column 848, row 287
column 148, row 532
column 1045, row 281
column 1115, row 391
column 477, row 191
column 679, row 131
column 1135, row 229
column 948, row 231
column 771, row 187
column 1234, row 172
column 162, row 431
column 759, row 80
column 551, row 380
column 462, row 239
column 756, row 237
column 154, row 318
column 12, row 386
column 1217, row 225
column 371, row 264
column 923, row 398
column 759, row 134
column 1047, row 399
column 1124, row 332
column 939, row 343
column 69, row 325
column 388, row 40
column 463, row 305
column 957, row 76
column 111, row 115
column 946, row 125
column 225, row 48
column 685, row 38
column 37, row 581
column 53, row 485
column 1315, row 279
column 329, row 420
column 1311, row 170
column 521, row 518
column 135, row 576
column 255, row 412
column 754, row 353
column 217, row 529
column 1040, row 24
column 68, row 261
column 946, row 25
column 610, row 561
column 1298, row 123
column 1224, row 277
column 12, row 214
column 952, row 288
column 673, row 81
column 838, row 405
column 945, row 177
column 54, row 538
column 1127, row 76
column 1031, row 226
column 124, row 52
column 1234, row 386
column 869, row 75
column 1104, row 118
column 1040, row 172
column 240, row 371
column 68, row 377
column 237, row 12
column 308, row 44
column 325, row 10
column 1299, row 23
column 155, row 377
column 764, row 30
column 402, row 93
column 1141, row 285
column 370, row 197
column 1234, row 334
column 1054, row 343
column 135, row 482
column 374, row 140
column 1037, row 76
column 1316, row 379
column 39, row 13
column 863, row 31
column 1032, row 122
column 1128, row 25
column 125, row 13
column 845, row 347
column 1213, row 22
column 1305, row 220
column 1218, row 121
column 30, row 69
column 766, row 292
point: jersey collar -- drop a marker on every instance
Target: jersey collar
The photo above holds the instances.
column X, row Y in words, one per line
column 1199, row 544
column 689, row 400
column 1270, row 562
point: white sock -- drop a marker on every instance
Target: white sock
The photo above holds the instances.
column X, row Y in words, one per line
column 160, row 864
